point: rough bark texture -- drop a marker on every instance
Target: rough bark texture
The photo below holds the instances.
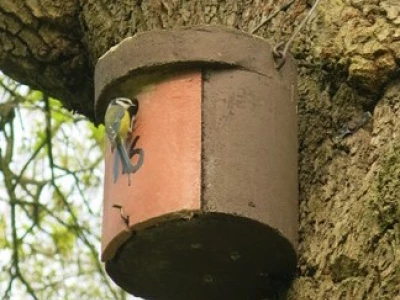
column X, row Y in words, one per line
column 41, row 45
column 348, row 58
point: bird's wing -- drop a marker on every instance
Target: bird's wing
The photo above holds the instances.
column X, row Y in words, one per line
column 112, row 129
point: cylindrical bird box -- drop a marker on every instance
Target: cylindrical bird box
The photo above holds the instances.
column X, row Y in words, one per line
column 212, row 213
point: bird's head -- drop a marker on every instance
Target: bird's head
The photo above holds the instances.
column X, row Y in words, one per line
column 124, row 102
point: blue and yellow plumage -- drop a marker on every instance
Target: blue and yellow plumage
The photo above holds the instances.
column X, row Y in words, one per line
column 119, row 122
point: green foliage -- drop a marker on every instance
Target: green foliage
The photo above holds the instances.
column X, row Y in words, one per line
column 51, row 166
column 63, row 239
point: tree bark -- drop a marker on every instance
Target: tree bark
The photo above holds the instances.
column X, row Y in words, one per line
column 348, row 57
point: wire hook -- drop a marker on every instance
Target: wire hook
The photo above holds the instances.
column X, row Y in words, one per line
column 280, row 54
column 125, row 218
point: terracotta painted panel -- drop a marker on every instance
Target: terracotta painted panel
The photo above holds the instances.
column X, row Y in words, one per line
column 169, row 126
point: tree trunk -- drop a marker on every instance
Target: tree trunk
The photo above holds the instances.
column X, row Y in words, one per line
column 348, row 59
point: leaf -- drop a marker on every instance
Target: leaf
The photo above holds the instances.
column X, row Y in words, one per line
column 97, row 133
column 63, row 239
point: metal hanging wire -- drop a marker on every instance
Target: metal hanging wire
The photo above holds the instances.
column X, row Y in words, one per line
column 283, row 7
column 280, row 50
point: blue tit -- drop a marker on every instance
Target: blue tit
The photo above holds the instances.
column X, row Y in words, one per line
column 119, row 121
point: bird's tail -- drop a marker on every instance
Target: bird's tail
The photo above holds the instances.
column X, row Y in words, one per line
column 116, row 166
column 127, row 167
